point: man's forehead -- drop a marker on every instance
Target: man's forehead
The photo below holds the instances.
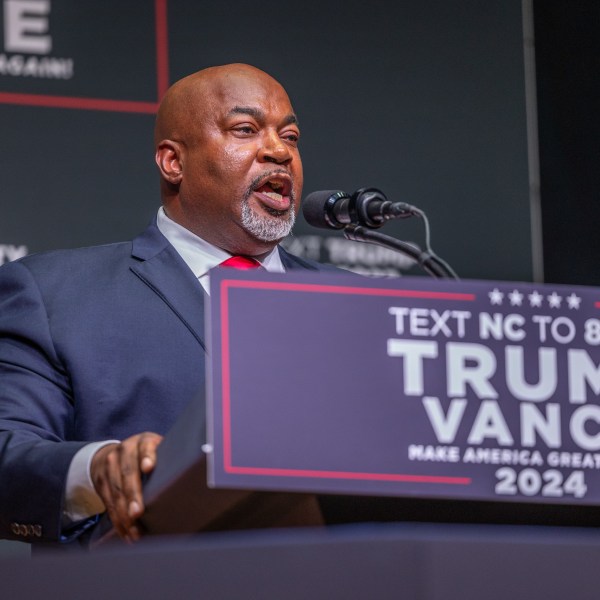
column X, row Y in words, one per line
column 240, row 89
column 219, row 92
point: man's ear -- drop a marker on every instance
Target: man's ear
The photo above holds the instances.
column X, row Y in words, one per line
column 169, row 160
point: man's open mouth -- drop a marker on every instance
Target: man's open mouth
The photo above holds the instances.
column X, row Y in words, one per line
column 274, row 192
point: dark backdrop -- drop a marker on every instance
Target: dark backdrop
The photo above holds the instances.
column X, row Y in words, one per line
column 425, row 100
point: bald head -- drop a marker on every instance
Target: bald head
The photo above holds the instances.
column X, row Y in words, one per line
column 189, row 99
column 227, row 149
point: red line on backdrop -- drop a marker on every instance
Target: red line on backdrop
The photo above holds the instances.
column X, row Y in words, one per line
column 162, row 48
column 228, row 467
column 597, row 304
column 111, row 105
column 81, row 103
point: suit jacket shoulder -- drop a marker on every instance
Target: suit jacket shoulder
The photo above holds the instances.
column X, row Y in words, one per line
column 291, row 261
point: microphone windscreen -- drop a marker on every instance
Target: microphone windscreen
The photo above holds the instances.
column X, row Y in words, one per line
column 316, row 207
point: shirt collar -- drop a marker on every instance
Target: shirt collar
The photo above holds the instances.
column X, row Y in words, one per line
column 201, row 256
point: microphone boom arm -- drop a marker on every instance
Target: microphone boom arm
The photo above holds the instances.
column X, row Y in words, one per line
column 429, row 262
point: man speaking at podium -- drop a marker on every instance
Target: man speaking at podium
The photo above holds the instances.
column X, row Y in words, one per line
column 101, row 348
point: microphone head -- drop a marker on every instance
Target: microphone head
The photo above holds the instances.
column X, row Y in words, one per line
column 317, row 208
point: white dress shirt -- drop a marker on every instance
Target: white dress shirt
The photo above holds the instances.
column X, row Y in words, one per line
column 199, row 255
column 81, row 499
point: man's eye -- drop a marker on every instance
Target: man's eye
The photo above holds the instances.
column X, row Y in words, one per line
column 244, row 129
column 291, row 137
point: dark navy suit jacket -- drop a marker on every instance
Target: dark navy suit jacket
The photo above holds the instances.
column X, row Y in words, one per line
column 95, row 343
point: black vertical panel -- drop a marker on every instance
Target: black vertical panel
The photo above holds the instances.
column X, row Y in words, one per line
column 568, row 81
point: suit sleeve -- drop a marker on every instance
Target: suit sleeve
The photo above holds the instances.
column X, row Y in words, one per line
column 36, row 414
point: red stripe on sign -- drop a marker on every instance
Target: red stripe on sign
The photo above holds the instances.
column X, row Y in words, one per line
column 225, row 377
column 228, row 467
column 342, row 289
column 349, row 475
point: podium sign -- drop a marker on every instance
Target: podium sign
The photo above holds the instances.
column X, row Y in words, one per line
column 407, row 387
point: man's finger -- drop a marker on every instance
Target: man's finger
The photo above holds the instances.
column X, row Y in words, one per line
column 119, row 488
column 138, row 454
column 116, row 473
column 106, row 480
column 131, row 479
column 147, row 445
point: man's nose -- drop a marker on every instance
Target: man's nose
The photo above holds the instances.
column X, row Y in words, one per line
column 274, row 149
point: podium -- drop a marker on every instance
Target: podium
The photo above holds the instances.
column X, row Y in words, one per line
column 178, row 500
column 431, row 392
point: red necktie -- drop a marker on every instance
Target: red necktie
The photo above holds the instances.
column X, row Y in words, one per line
column 244, row 263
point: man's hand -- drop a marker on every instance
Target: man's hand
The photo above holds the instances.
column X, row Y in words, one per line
column 116, row 474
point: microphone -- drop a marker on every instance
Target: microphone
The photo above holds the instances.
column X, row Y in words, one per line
column 334, row 209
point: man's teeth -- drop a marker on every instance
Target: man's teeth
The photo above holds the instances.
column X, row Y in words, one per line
column 274, row 196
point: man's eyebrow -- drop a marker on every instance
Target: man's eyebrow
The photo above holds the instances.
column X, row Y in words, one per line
column 259, row 115
column 247, row 110
column 291, row 120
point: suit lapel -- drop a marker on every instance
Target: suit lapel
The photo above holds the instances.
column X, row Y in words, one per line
column 161, row 268
column 291, row 262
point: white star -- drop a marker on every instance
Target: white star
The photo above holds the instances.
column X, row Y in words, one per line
column 516, row 298
column 554, row 300
column 573, row 301
column 496, row 296
column 535, row 299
